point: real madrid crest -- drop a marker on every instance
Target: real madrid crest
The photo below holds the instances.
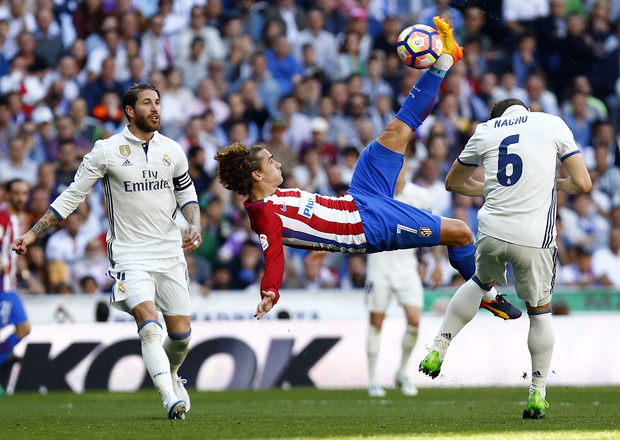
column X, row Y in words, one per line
column 166, row 160
column 120, row 288
column 125, row 150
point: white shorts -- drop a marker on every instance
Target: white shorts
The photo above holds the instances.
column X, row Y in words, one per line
column 163, row 281
column 406, row 286
column 534, row 268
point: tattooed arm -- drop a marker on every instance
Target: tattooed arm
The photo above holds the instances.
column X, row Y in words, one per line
column 49, row 220
column 191, row 237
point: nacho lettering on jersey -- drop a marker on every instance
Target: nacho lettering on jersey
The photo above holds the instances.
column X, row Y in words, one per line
column 520, row 150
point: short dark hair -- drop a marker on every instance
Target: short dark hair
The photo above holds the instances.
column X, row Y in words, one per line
column 351, row 150
column 500, row 107
column 8, row 186
column 193, row 152
column 131, row 95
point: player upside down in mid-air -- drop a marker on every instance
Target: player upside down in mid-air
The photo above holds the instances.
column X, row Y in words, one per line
column 367, row 219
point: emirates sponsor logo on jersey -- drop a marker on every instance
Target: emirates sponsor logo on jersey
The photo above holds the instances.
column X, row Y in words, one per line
column 151, row 182
column 425, row 232
column 263, row 241
column 125, row 150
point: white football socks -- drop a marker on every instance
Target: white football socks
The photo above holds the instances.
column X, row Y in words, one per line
column 176, row 350
column 444, row 62
column 409, row 339
column 155, row 359
column 489, row 295
column 373, row 343
column 540, row 341
column 462, row 308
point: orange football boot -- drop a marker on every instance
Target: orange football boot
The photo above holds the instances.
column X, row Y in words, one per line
column 450, row 46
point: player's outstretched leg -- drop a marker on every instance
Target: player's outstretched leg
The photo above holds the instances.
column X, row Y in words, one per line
column 536, row 406
column 461, row 253
column 450, row 46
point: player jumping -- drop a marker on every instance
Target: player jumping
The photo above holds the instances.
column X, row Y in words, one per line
column 365, row 220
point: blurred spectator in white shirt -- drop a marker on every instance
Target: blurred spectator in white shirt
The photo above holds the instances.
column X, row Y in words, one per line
column 17, row 165
column 207, row 99
column 606, row 261
column 198, row 28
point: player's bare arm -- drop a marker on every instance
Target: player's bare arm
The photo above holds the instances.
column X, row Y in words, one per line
column 579, row 181
column 191, row 237
column 48, row 221
column 459, row 180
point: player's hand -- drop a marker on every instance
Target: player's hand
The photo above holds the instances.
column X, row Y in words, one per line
column 191, row 240
column 265, row 305
column 436, row 277
column 20, row 244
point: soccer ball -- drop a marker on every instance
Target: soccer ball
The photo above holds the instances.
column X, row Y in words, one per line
column 419, row 46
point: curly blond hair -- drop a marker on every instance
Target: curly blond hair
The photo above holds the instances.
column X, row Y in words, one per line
column 236, row 164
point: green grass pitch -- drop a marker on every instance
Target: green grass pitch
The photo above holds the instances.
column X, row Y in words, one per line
column 307, row 413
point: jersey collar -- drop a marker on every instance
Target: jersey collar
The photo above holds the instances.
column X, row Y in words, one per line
column 515, row 109
column 129, row 135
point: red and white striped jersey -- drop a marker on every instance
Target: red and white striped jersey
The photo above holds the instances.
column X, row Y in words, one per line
column 304, row 220
column 10, row 229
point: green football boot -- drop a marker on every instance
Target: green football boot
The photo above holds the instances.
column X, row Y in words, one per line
column 431, row 364
column 536, row 405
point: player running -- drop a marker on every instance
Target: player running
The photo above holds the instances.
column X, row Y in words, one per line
column 365, row 220
column 145, row 178
column 519, row 150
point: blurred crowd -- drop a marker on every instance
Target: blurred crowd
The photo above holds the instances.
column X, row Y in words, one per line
column 315, row 81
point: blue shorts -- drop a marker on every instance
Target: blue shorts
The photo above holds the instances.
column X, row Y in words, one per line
column 388, row 224
column 11, row 309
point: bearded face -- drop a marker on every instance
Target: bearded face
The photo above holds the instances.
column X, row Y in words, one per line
column 147, row 112
column 147, row 122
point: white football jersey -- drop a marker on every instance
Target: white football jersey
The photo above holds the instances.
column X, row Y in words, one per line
column 519, row 151
column 142, row 188
column 401, row 260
